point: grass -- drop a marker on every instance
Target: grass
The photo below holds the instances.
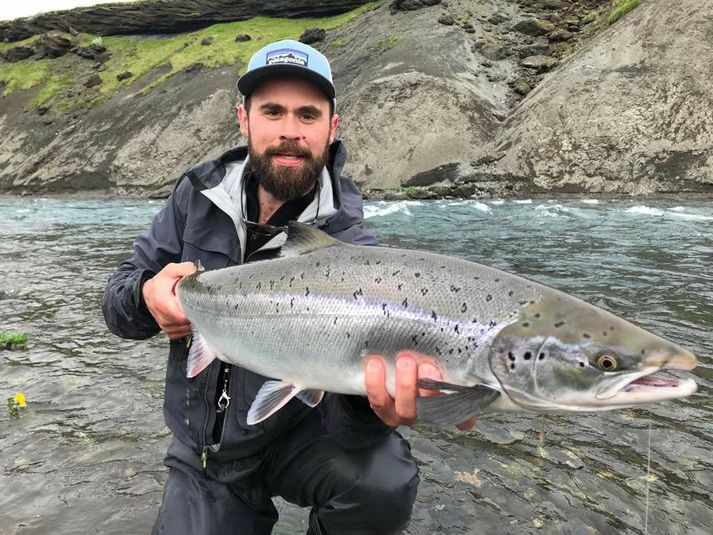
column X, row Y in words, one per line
column 621, row 7
column 141, row 55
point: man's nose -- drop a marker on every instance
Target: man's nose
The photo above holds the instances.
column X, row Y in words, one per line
column 291, row 128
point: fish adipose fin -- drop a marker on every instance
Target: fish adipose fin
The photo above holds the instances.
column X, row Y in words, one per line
column 199, row 355
column 455, row 407
column 302, row 239
column 274, row 395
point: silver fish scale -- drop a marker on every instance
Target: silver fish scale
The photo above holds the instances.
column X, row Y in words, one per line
column 312, row 318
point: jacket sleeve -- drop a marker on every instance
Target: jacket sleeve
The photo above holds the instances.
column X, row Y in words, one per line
column 124, row 310
column 348, row 224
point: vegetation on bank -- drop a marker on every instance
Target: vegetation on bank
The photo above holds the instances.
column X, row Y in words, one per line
column 141, row 55
column 621, row 7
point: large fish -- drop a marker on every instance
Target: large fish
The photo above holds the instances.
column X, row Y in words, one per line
column 501, row 342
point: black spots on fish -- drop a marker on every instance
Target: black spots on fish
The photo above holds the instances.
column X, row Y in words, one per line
column 439, row 352
column 455, row 289
column 335, row 320
column 604, row 333
column 236, row 306
column 366, row 344
column 450, row 351
column 559, row 324
column 258, row 286
column 348, row 334
column 302, row 276
column 283, row 277
column 417, row 274
column 277, row 308
column 358, row 293
column 611, row 328
column 527, row 355
column 434, row 316
column 510, row 293
column 383, row 309
column 532, row 302
column 581, row 364
column 526, row 324
column 475, row 320
column 541, row 356
column 643, row 351
column 378, row 262
column 492, row 324
column 443, row 267
column 488, row 297
column 586, row 335
column 327, row 272
column 306, row 291
column 404, row 303
column 511, row 357
column 399, row 286
column 272, row 284
column 522, row 303
column 377, row 280
column 424, row 291
column 464, row 307
column 512, row 366
column 292, row 303
column 292, row 279
column 537, row 315
column 366, row 262
column 414, row 339
column 396, row 272
column 456, row 329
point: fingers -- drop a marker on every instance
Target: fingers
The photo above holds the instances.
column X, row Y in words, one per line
column 467, row 425
column 162, row 302
column 406, row 389
column 379, row 398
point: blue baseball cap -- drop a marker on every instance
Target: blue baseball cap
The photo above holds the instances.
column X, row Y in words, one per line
column 288, row 58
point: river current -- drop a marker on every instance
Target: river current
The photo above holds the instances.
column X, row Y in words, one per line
column 85, row 456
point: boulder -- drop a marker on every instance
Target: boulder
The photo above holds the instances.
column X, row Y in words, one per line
column 52, row 45
column 446, row 19
column 560, row 35
column 312, row 35
column 539, row 63
column 93, row 80
column 412, row 5
column 534, row 27
column 242, row 38
column 124, row 76
column 17, row 53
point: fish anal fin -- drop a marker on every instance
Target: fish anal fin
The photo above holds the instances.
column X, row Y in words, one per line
column 451, row 409
column 303, row 239
column 199, row 355
column 311, row 398
column 272, row 396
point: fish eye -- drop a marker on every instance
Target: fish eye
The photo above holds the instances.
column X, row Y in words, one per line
column 607, row 363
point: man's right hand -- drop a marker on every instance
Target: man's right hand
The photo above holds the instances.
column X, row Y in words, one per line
column 159, row 294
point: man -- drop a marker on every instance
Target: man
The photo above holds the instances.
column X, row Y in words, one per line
column 343, row 459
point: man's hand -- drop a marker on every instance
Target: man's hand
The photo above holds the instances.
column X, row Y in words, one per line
column 402, row 409
column 160, row 297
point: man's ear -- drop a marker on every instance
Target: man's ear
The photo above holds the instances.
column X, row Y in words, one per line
column 243, row 120
column 333, row 124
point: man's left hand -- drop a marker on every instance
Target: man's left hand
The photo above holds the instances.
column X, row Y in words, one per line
column 401, row 410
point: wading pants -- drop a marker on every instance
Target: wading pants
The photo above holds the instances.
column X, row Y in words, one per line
column 351, row 491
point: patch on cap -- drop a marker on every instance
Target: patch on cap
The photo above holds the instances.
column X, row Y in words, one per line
column 287, row 56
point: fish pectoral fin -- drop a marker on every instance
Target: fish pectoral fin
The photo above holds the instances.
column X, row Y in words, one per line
column 302, row 239
column 272, row 396
column 199, row 355
column 311, row 398
column 451, row 409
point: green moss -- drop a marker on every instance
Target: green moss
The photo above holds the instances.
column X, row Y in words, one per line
column 13, row 340
column 142, row 55
column 389, row 43
column 621, row 7
column 339, row 43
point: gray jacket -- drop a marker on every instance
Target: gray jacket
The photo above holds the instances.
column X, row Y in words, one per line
column 202, row 220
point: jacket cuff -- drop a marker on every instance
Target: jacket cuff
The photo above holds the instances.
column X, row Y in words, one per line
column 351, row 422
column 137, row 295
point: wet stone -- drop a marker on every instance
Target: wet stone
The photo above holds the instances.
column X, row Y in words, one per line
column 312, row 35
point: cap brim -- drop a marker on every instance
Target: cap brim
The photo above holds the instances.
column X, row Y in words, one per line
column 248, row 81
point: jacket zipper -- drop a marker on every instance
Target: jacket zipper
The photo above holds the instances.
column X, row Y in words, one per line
column 204, row 449
column 224, row 400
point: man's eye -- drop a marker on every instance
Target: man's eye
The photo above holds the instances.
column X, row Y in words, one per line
column 309, row 117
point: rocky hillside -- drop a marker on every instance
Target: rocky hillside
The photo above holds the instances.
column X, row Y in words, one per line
column 436, row 98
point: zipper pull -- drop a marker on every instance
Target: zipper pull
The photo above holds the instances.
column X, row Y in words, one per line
column 223, row 402
column 204, row 457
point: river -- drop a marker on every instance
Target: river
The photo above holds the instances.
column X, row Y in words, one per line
column 85, row 456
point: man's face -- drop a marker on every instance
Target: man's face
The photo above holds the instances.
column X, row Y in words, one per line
column 289, row 131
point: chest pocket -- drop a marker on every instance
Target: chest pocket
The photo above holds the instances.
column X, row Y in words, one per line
column 215, row 249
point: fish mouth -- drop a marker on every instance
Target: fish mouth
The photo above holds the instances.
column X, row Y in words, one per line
column 647, row 385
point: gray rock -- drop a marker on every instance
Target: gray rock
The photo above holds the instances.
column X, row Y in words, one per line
column 521, row 87
column 242, row 38
column 498, row 18
column 560, row 35
column 468, row 27
column 312, row 35
column 17, row 53
column 494, row 51
column 551, row 4
column 534, row 27
column 207, row 41
column 41, row 110
column 93, row 80
column 412, row 5
column 447, row 19
column 534, row 49
column 52, row 45
column 124, row 76
column 539, row 63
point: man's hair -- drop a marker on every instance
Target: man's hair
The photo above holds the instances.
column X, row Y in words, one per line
column 246, row 103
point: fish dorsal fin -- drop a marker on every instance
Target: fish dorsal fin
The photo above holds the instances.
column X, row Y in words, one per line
column 302, row 239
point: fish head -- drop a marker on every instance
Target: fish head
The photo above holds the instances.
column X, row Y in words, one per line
column 563, row 354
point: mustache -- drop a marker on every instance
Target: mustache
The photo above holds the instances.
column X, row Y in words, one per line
column 289, row 147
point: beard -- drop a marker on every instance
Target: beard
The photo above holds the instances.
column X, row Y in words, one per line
column 287, row 183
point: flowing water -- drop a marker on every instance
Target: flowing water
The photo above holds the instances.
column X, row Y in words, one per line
column 85, row 456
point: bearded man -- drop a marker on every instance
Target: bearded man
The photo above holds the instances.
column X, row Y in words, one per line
column 343, row 458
